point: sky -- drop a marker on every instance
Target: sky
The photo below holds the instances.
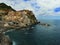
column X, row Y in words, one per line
column 39, row 7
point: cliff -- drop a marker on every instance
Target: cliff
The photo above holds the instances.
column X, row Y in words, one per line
column 21, row 18
column 12, row 18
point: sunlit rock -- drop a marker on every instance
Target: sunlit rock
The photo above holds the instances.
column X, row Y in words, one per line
column 10, row 18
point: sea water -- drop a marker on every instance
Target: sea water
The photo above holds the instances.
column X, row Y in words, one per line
column 39, row 35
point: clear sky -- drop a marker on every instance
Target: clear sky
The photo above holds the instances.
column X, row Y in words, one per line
column 39, row 7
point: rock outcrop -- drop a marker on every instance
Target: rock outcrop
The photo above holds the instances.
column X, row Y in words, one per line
column 12, row 18
column 21, row 18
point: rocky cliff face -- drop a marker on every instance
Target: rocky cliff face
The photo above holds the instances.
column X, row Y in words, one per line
column 21, row 18
column 12, row 18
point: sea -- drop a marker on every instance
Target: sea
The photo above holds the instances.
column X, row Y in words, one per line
column 39, row 34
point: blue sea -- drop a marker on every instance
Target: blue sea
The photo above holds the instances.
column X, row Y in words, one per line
column 39, row 35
